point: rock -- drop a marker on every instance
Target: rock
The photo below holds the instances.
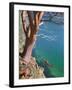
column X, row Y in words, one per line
column 31, row 70
column 56, row 17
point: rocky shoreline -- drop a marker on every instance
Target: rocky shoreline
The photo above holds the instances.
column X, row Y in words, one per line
column 31, row 70
column 56, row 17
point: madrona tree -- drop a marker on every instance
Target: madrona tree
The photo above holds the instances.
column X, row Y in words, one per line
column 30, row 25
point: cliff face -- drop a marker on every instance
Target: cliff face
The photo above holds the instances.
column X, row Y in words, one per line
column 31, row 70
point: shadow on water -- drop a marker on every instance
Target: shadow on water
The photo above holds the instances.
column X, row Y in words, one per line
column 47, row 71
column 41, row 63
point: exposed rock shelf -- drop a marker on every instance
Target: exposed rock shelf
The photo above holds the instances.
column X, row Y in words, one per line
column 30, row 71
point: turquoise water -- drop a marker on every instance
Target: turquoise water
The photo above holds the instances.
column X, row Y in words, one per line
column 50, row 47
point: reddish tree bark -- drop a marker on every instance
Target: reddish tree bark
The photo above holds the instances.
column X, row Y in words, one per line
column 30, row 33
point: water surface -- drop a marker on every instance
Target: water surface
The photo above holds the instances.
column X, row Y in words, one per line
column 50, row 46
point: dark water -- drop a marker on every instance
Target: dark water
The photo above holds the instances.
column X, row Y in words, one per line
column 50, row 47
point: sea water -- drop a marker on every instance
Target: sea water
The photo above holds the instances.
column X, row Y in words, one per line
column 49, row 48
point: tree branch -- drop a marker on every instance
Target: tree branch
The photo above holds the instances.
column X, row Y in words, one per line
column 38, row 18
column 34, row 22
column 23, row 23
column 30, row 19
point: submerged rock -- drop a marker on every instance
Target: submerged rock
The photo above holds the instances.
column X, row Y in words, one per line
column 56, row 17
column 31, row 70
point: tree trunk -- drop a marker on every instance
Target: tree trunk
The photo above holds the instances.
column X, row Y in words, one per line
column 30, row 33
column 29, row 44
